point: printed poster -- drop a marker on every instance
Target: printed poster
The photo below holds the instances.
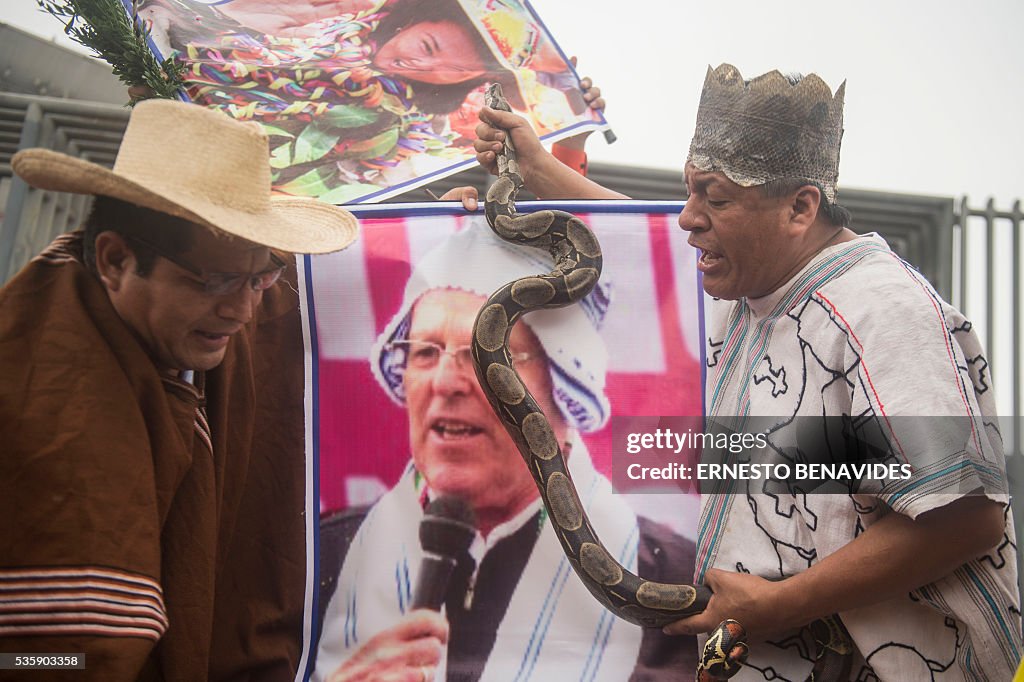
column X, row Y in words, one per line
column 366, row 99
column 396, row 419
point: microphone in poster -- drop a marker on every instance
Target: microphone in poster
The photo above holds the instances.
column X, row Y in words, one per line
column 446, row 532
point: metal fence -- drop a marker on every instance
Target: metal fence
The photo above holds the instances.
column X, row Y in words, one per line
column 987, row 288
column 31, row 218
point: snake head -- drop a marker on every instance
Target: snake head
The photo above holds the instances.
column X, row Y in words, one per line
column 724, row 652
column 495, row 99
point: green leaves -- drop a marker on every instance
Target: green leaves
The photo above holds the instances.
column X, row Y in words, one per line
column 348, row 116
column 347, row 131
column 105, row 27
column 322, row 183
column 344, row 132
column 378, row 145
column 281, row 157
column 329, row 128
column 310, row 184
column 314, row 142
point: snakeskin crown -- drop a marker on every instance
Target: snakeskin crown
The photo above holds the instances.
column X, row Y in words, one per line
column 769, row 128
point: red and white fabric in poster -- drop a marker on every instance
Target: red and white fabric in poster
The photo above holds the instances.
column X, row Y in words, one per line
column 396, row 418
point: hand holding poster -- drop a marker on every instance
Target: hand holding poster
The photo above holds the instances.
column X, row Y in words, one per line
column 399, row 420
column 364, row 99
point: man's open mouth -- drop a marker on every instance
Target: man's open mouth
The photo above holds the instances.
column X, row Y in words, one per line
column 709, row 257
column 451, row 429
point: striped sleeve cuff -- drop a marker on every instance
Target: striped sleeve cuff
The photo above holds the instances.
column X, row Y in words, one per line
column 80, row 600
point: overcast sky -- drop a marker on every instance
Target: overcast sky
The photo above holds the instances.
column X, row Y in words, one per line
column 934, row 88
column 934, row 94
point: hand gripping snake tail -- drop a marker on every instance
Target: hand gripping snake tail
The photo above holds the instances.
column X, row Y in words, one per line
column 578, row 262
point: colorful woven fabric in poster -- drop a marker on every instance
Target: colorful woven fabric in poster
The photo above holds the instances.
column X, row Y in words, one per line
column 397, row 419
column 366, row 99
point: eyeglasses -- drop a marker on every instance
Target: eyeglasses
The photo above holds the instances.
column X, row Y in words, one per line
column 221, row 283
column 426, row 355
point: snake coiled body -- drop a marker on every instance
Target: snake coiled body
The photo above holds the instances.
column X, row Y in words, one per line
column 578, row 263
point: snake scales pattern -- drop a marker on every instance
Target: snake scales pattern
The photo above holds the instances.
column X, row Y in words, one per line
column 578, row 262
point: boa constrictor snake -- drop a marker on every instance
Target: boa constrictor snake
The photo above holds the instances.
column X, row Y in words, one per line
column 578, row 262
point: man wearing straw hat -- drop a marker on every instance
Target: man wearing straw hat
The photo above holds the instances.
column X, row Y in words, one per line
column 151, row 407
column 812, row 322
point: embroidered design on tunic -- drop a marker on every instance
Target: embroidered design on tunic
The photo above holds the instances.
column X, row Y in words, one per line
column 713, row 357
column 776, row 377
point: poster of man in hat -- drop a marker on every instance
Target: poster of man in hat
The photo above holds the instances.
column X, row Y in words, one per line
column 401, row 421
column 365, row 99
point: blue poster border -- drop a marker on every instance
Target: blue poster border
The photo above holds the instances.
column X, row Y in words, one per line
column 443, row 208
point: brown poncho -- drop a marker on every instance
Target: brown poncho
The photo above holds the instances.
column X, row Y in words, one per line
column 154, row 525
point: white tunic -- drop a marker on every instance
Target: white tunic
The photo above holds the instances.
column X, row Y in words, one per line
column 859, row 333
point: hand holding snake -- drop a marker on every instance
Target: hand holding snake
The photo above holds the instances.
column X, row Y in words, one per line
column 578, row 262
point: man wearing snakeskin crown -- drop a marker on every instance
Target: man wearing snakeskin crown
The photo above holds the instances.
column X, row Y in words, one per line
column 513, row 606
column 813, row 322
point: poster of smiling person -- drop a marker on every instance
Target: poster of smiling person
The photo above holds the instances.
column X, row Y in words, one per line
column 365, row 99
column 399, row 420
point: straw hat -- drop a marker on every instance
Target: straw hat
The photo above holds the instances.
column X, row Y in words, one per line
column 201, row 165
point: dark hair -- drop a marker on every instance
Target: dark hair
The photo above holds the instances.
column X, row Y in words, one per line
column 431, row 98
column 838, row 216
column 165, row 232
